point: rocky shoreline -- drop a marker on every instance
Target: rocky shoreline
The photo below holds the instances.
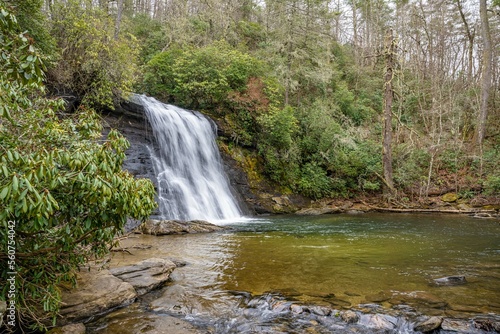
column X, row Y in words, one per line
column 117, row 294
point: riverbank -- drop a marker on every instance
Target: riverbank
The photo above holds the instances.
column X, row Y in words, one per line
column 213, row 298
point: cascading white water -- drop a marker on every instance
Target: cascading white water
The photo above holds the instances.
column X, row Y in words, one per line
column 191, row 180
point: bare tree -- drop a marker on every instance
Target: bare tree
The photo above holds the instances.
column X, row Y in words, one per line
column 390, row 50
column 486, row 73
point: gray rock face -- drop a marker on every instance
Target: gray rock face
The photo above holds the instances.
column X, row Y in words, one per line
column 146, row 275
column 167, row 227
column 130, row 120
column 97, row 292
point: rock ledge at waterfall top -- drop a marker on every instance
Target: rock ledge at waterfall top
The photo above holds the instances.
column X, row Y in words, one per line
column 167, row 227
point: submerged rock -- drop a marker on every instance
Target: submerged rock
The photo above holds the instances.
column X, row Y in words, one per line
column 146, row 275
column 419, row 298
column 450, row 280
column 167, row 227
column 97, row 292
column 382, row 296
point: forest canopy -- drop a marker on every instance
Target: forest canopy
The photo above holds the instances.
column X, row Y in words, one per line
column 299, row 84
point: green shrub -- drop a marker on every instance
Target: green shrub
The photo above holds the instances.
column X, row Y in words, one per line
column 61, row 184
column 93, row 64
column 314, row 182
column 410, row 165
column 199, row 78
column 491, row 186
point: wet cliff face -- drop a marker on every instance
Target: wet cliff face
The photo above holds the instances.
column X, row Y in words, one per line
column 130, row 120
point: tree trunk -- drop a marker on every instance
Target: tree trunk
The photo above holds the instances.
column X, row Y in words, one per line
column 388, row 98
column 470, row 38
column 486, row 73
column 118, row 18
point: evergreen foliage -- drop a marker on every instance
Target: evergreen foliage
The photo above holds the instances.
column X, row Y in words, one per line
column 61, row 183
column 199, row 78
column 93, row 65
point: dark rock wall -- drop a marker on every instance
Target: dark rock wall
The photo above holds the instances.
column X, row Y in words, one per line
column 130, row 120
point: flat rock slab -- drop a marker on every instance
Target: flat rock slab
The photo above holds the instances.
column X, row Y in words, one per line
column 97, row 292
column 167, row 227
column 146, row 275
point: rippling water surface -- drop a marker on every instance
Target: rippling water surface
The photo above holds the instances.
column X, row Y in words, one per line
column 357, row 256
column 340, row 261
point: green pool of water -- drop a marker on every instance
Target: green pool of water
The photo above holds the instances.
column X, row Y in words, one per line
column 347, row 260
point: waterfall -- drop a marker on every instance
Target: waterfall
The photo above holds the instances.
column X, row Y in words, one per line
column 191, row 179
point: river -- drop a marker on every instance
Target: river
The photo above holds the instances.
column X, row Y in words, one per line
column 385, row 263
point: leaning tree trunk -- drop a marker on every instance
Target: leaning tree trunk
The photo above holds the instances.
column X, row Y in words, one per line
column 388, row 98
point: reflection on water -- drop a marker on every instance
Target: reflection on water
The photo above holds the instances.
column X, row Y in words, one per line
column 339, row 261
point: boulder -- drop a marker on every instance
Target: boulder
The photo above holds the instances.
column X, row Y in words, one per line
column 449, row 197
column 349, row 316
column 320, row 310
column 297, row 309
column 146, row 275
column 489, row 323
column 428, row 325
column 450, row 280
column 78, row 328
column 167, row 227
column 97, row 292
